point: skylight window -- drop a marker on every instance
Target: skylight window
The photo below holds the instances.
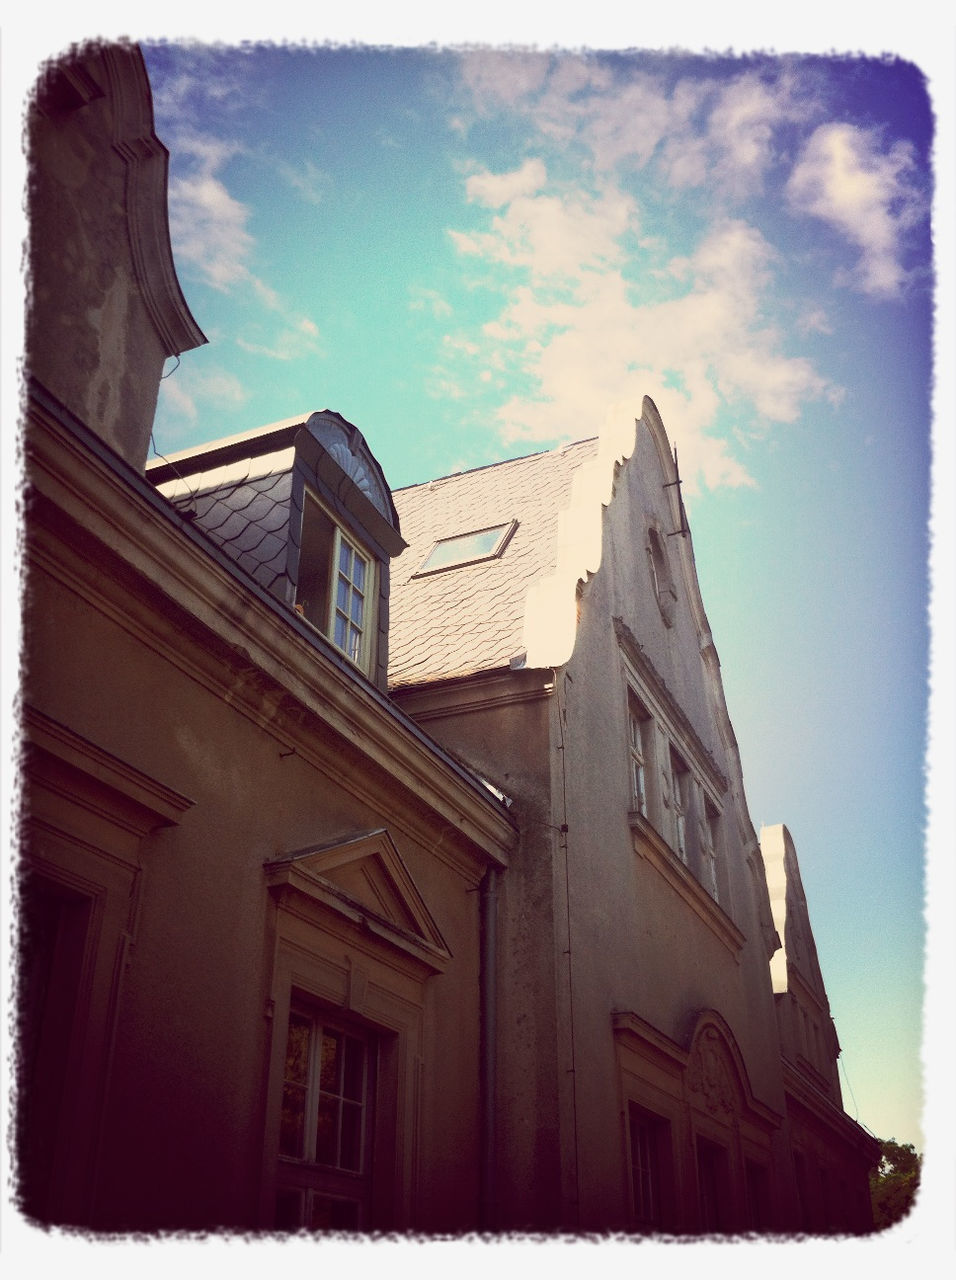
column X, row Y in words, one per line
column 467, row 548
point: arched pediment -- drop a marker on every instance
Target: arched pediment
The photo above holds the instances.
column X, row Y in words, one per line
column 717, row 1081
column 714, row 1074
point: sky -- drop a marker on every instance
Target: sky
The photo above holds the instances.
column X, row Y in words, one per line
column 474, row 253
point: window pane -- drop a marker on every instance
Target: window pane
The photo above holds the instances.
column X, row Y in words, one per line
column 297, row 1049
column 358, row 571
column 351, row 1155
column 329, row 1214
column 358, row 608
column 345, row 558
column 330, row 1072
column 341, row 632
column 292, row 1126
column 464, row 548
column 354, row 1069
column 326, row 1131
column 342, row 595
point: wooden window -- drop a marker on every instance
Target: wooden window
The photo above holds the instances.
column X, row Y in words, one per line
column 713, row 1186
column 325, row 1127
column 709, row 830
column 335, row 584
column 649, row 1143
column 680, row 779
column 639, row 727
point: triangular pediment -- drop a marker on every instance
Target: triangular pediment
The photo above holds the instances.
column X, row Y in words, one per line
column 368, row 873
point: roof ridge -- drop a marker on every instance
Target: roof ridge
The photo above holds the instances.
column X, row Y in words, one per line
column 502, row 462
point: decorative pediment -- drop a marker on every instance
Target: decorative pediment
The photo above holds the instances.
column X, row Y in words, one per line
column 366, row 880
column 712, row 1077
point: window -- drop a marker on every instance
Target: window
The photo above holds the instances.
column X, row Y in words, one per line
column 639, row 729
column 709, row 830
column 712, row 1185
column 335, row 584
column 467, row 548
column 758, row 1195
column 325, row 1127
column 649, row 1138
column 679, row 779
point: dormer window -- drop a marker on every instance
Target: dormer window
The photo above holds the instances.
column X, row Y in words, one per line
column 467, row 548
column 336, row 592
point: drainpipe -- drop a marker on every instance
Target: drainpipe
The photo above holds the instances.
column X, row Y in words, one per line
column 488, row 992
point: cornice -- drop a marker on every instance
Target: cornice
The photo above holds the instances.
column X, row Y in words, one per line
column 42, row 733
column 803, row 1092
column 271, row 647
column 484, row 691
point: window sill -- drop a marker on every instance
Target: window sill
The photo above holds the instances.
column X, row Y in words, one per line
column 650, row 845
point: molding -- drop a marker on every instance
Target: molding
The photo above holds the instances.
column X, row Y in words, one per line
column 485, row 691
column 147, row 217
column 310, row 876
column 271, row 651
column 803, row 1093
column 638, row 1035
column 164, row 806
column 650, row 845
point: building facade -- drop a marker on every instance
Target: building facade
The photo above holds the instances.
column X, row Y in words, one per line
column 386, row 860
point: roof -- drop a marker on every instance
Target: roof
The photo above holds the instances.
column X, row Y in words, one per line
column 470, row 618
column 243, row 506
column 241, row 491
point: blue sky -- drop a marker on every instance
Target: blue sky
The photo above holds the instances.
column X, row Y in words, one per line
column 473, row 255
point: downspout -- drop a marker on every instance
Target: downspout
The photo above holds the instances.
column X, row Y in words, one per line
column 487, row 979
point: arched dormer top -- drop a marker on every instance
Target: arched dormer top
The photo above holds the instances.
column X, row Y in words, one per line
column 344, row 464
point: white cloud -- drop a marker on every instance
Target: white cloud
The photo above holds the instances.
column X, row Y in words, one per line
column 555, row 237
column 868, row 194
column 496, row 189
column 290, row 343
column 187, row 390
column 497, row 78
column 208, row 229
column 422, row 299
column 571, row 325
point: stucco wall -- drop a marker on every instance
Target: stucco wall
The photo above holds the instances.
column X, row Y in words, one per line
column 105, row 309
column 147, row 682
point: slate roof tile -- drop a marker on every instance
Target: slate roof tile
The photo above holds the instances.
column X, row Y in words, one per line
column 470, row 618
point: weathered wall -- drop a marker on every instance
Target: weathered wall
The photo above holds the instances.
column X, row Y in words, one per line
column 105, row 308
column 508, row 744
column 167, row 689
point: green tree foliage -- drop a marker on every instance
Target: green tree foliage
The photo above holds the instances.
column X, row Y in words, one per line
column 894, row 1182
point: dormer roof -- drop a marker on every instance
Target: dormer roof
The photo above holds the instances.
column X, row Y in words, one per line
column 241, row 490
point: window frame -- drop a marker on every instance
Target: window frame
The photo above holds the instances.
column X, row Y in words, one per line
column 303, row 1178
column 507, row 529
column 679, row 776
column 640, row 724
column 650, row 1161
column 325, row 614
